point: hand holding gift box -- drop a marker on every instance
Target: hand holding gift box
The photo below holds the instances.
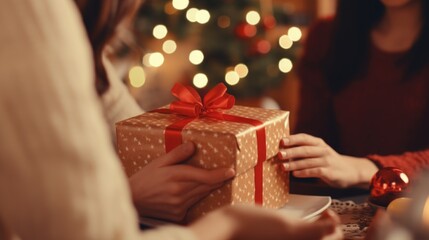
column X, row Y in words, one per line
column 244, row 138
column 166, row 189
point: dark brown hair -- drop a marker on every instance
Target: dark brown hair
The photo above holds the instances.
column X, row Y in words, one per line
column 346, row 57
column 101, row 19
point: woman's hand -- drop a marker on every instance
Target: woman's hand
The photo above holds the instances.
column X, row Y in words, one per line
column 252, row 223
column 166, row 189
column 312, row 157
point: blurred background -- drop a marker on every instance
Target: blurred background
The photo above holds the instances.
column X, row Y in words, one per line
column 252, row 46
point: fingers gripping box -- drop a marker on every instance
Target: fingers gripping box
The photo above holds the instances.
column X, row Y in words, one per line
column 249, row 147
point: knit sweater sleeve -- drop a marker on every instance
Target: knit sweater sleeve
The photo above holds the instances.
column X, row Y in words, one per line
column 118, row 103
column 410, row 162
column 59, row 175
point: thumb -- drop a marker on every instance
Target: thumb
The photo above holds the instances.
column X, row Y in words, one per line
column 177, row 155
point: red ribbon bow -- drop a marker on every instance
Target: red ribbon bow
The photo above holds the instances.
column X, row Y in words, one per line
column 190, row 103
column 191, row 106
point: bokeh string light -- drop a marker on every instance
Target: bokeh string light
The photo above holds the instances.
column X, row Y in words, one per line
column 294, row 34
column 232, row 78
column 253, row 17
column 160, row 31
column 285, row 65
column 191, row 15
column 241, row 70
column 196, row 57
column 251, row 30
column 285, row 42
column 180, row 4
column 169, row 46
column 137, row 76
column 200, row 80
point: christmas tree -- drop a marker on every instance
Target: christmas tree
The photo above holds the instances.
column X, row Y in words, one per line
column 239, row 42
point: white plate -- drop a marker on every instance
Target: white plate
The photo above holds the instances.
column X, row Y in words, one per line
column 304, row 207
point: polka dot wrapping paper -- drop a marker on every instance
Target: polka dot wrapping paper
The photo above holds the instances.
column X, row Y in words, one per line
column 141, row 139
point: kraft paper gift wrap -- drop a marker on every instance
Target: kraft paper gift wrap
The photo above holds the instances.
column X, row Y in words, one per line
column 219, row 143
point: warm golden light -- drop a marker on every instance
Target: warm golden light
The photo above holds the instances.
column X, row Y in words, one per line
column 191, row 14
column 425, row 216
column 200, row 80
column 223, row 21
column 241, row 70
column 203, row 16
column 145, row 60
column 285, row 65
column 196, row 57
column 285, row 42
column 232, row 78
column 180, row 4
column 294, row 34
column 399, row 206
column 169, row 46
column 160, row 31
column 253, row 17
column 156, row 59
column 137, row 76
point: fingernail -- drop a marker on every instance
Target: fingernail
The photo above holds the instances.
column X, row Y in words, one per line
column 282, row 155
column 285, row 142
column 230, row 173
column 286, row 166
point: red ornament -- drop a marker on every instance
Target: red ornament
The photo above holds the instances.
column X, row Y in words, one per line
column 269, row 22
column 260, row 47
column 245, row 31
column 386, row 185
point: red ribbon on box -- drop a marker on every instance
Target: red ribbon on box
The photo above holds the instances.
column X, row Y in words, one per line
column 191, row 106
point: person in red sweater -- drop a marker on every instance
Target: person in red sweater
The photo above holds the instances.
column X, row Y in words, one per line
column 364, row 100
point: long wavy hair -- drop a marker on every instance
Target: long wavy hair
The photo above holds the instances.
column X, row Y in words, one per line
column 101, row 19
column 348, row 52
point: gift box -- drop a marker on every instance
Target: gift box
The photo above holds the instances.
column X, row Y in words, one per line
column 244, row 138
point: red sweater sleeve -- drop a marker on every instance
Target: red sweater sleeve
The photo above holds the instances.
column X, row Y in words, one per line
column 316, row 111
column 315, row 114
column 409, row 162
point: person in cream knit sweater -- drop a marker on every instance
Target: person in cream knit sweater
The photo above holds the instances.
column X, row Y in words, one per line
column 60, row 177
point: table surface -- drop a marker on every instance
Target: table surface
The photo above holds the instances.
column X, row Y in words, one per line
column 350, row 204
column 317, row 187
column 355, row 218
